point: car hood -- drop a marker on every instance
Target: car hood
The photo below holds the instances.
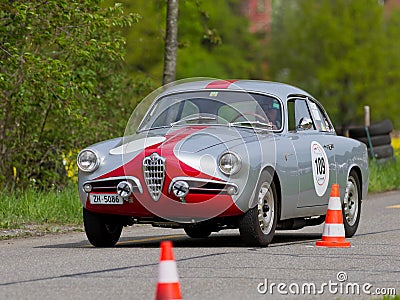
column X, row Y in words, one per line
column 193, row 139
column 192, row 145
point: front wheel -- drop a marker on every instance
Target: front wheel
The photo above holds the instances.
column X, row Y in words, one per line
column 101, row 230
column 351, row 205
column 257, row 226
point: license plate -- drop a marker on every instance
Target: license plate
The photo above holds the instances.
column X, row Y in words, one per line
column 106, row 199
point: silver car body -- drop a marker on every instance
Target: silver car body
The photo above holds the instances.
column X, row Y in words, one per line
column 304, row 155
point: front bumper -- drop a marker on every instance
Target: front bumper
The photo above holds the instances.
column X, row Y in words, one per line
column 205, row 198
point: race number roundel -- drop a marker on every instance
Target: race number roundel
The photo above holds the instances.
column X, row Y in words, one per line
column 320, row 168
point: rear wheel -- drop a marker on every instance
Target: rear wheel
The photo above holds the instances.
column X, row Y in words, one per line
column 257, row 226
column 100, row 229
column 352, row 204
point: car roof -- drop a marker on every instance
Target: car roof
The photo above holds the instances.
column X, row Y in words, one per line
column 280, row 90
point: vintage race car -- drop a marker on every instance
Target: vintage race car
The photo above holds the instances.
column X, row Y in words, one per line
column 213, row 154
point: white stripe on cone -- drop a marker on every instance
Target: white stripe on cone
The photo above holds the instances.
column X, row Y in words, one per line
column 167, row 272
column 334, row 203
column 333, row 230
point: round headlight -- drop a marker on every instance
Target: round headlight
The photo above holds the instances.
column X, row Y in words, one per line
column 229, row 163
column 88, row 161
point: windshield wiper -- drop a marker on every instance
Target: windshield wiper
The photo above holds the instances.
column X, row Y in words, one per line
column 252, row 124
column 197, row 118
column 152, row 128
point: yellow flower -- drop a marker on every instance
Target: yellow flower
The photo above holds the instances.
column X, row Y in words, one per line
column 396, row 144
column 70, row 165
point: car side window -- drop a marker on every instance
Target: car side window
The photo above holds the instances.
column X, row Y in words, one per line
column 321, row 121
column 167, row 116
column 299, row 117
column 174, row 112
column 189, row 108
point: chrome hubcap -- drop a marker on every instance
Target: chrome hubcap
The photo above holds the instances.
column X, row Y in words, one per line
column 350, row 202
column 265, row 208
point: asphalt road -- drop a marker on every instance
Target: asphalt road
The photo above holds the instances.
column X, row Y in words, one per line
column 65, row 266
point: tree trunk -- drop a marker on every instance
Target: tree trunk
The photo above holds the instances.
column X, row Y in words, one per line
column 171, row 42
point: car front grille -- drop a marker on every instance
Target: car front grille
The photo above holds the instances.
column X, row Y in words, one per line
column 154, row 174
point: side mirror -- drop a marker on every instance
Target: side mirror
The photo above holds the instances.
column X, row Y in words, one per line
column 305, row 124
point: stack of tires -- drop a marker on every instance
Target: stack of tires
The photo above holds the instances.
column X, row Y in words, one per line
column 378, row 142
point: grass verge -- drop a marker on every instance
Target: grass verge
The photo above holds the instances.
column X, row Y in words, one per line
column 384, row 176
column 34, row 212
column 391, row 297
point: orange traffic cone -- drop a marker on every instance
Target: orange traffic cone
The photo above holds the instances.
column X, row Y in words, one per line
column 334, row 235
column 168, row 281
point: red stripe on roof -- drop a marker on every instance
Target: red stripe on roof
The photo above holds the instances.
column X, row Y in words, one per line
column 220, row 84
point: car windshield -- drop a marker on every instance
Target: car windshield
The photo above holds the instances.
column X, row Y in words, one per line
column 214, row 108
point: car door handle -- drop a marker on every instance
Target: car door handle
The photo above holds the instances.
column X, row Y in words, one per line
column 287, row 155
column 329, row 146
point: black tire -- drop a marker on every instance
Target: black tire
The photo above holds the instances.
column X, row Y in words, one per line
column 198, row 231
column 385, row 151
column 351, row 209
column 378, row 140
column 100, row 229
column 386, row 126
column 250, row 224
column 380, row 128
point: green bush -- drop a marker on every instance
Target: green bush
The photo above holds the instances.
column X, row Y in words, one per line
column 63, row 85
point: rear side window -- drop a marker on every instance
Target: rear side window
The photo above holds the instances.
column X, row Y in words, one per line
column 320, row 120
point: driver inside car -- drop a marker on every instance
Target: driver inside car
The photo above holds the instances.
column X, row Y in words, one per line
column 272, row 111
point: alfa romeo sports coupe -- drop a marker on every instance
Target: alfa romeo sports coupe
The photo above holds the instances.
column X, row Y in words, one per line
column 213, row 154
